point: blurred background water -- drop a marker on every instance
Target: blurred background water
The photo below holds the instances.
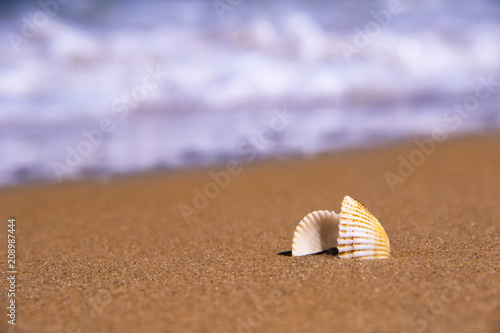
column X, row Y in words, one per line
column 349, row 74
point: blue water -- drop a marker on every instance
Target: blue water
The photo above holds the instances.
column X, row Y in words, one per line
column 178, row 85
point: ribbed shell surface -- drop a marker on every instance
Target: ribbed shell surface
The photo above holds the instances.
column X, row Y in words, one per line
column 360, row 234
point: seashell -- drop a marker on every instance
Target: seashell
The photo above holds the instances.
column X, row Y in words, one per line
column 360, row 233
column 315, row 233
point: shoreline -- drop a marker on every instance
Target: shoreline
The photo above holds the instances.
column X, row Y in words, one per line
column 195, row 169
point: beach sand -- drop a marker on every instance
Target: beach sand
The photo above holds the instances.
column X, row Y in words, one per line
column 119, row 256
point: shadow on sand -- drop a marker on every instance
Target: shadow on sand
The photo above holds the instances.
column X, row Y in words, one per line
column 333, row 251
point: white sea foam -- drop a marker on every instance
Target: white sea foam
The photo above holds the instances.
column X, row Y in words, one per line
column 226, row 77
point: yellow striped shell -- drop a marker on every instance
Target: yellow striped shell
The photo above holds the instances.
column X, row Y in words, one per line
column 360, row 234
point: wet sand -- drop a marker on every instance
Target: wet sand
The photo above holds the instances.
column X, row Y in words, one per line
column 120, row 257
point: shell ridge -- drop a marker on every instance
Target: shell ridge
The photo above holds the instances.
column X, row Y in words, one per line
column 313, row 233
column 360, row 233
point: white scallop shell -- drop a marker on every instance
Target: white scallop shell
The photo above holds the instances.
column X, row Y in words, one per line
column 360, row 234
column 315, row 233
